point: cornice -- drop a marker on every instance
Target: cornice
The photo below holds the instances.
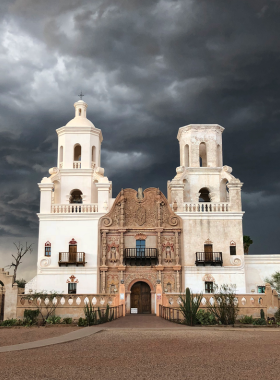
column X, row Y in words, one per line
column 230, row 215
column 93, row 216
column 262, row 259
column 80, row 130
column 199, row 127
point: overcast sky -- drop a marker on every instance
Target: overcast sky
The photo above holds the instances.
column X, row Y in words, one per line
column 147, row 68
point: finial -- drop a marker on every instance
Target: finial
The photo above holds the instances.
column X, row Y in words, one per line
column 81, row 95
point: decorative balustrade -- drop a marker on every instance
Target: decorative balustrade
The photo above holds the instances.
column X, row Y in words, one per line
column 77, row 165
column 74, row 208
column 77, row 258
column 207, row 207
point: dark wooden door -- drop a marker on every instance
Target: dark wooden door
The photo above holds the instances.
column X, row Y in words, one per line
column 208, row 249
column 72, row 253
column 141, row 297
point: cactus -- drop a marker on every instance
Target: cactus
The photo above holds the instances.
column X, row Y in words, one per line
column 189, row 306
column 262, row 314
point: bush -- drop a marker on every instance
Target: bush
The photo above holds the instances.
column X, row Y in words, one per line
column 225, row 306
column 67, row 321
column 205, row 318
column 246, row 320
column 21, row 283
column 277, row 316
column 53, row 320
column 82, row 322
column 10, row 322
column 259, row 321
column 30, row 316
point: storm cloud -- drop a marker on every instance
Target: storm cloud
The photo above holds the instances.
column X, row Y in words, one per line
column 147, row 68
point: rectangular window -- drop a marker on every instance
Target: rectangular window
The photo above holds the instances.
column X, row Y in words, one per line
column 261, row 289
column 208, row 287
column 140, row 248
column 232, row 249
column 72, row 288
column 47, row 251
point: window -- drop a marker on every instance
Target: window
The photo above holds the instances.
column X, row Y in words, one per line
column 202, row 155
column 77, row 152
column 204, row 195
column 208, row 287
column 47, row 251
column 47, row 248
column 140, row 247
column 76, row 196
column 261, row 289
column 232, row 249
column 72, row 288
column 186, row 154
column 80, row 112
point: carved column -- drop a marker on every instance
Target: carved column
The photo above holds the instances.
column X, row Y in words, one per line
column 178, row 281
column 103, row 268
column 177, row 247
column 159, row 231
column 122, row 208
column 104, row 247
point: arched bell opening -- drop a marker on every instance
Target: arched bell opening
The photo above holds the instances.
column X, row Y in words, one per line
column 76, row 196
column 204, row 195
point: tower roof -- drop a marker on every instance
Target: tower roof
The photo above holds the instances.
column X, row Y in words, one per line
column 80, row 119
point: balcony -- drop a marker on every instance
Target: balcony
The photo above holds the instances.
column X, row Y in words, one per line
column 73, row 208
column 76, row 258
column 209, row 258
column 141, row 256
column 207, row 207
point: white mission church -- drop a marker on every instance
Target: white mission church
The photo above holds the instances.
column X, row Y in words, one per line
column 91, row 243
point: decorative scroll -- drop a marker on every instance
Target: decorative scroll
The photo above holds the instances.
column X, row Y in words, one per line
column 72, row 279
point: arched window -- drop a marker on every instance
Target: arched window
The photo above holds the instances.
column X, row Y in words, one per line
column 93, row 154
column 80, row 112
column 186, row 156
column 202, row 155
column 76, row 196
column 204, row 195
column 223, row 190
column 61, row 157
column 77, row 152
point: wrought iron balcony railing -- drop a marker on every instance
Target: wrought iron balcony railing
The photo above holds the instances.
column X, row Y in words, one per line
column 77, row 258
column 141, row 256
column 209, row 258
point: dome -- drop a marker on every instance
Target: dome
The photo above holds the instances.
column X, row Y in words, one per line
column 80, row 119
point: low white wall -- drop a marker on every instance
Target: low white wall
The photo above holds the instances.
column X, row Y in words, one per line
column 257, row 268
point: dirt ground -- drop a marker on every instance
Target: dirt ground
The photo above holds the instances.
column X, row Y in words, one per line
column 155, row 353
column 9, row 336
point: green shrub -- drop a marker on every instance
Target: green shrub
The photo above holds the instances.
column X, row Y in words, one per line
column 205, row 318
column 246, row 320
column 82, row 322
column 10, row 322
column 30, row 316
column 259, row 321
column 90, row 314
column 277, row 316
column 67, row 321
column 53, row 320
column 225, row 305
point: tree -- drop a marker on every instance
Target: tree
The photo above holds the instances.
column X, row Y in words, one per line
column 21, row 283
column 189, row 306
column 274, row 281
column 246, row 244
column 21, row 252
column 225, row 305
column 45, row 302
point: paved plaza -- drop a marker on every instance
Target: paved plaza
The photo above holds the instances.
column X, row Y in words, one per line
column 147, row 347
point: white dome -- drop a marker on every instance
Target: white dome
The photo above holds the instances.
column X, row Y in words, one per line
column 80, row 121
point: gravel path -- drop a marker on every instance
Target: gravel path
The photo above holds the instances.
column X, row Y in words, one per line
column 152, row 354
column 31, row 334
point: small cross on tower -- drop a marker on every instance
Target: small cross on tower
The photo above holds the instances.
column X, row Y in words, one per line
column 81, row 95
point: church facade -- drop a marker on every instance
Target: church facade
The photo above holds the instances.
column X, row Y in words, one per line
column 91, row 243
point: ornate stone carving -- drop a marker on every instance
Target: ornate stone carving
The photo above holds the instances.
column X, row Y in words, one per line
column 45, row 262
column 140, row 216
column 168, row 249
column 208, row 277
column 113, row 250
column 140, row 236
column 72, row 279
column 236, row 261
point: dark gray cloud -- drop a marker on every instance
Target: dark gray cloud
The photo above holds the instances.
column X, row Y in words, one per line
column 147, row 68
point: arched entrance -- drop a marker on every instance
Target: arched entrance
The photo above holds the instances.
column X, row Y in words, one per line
column 141, row 297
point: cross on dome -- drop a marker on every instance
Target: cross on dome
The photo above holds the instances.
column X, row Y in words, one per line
column 81, row 95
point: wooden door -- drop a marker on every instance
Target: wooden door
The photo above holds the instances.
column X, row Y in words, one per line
column 141, row 297
column 208, row 249
column 72, row 253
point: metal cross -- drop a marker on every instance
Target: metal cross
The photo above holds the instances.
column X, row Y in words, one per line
column 81, row 95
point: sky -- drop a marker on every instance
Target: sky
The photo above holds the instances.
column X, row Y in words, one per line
column 146, row 68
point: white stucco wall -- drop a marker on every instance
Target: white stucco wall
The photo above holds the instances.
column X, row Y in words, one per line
column 258, row 267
